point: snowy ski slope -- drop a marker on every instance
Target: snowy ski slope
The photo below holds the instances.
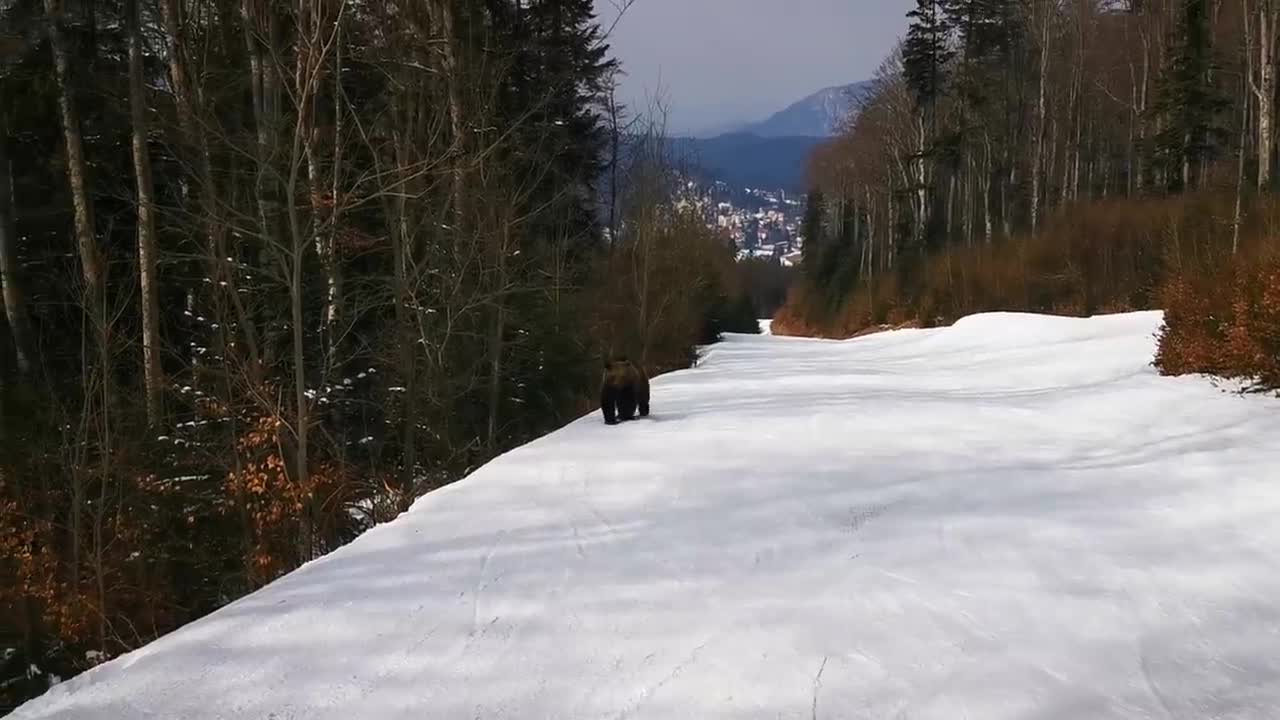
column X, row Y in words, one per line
column 1010, row 518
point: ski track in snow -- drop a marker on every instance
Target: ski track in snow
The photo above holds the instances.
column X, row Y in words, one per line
column 1011, row 518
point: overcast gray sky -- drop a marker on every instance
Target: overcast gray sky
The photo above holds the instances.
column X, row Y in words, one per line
column 727, row 61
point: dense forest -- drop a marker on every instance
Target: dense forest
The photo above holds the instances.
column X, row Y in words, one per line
column 1067, row 156
column 271, row 270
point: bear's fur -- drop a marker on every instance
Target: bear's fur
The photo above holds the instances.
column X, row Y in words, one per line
column 624, row 389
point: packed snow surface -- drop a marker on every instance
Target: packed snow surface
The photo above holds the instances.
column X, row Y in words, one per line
column 1011, row 518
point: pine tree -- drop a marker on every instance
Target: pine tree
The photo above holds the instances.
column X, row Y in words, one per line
column 983, row 26
column 984, row 31
column 552, row 93
column 815, row 207
column 571, row 76
column 1188, row 100
column 926, row 52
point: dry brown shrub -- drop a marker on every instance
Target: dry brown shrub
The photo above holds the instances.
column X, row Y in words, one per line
column 1089, row 258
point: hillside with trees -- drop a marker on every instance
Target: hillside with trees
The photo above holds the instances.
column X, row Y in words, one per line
column 1071, row 157
column 271, row 270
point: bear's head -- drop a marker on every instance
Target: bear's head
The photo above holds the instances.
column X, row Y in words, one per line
column 619, row 371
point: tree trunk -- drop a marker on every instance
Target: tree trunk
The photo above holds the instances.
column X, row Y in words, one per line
column 86, row 241
column 77, row 166
column 333, row 270
column 1070, row 150
column 647, row 231
column 302, row 234
column 1079, row 147
column 147, row 253
column 1006, row 205
column 15, row 302
column 405, row 348
column 1186, row 162
column 615, row 155
column 495, row 371
column 890, row 222
column 1236, row 218
column 406, row 334
column 324, row 215
column 442, row 21
column 1140, row 170
column 968, row 199
column 1079, row 94
column 1268, row 14
column 988, row 230
column 496, row 341
column 1037, row 150
column 264, row 82
column 922, row 192
column 302, row 432
column 951, row 199
column 209, row 210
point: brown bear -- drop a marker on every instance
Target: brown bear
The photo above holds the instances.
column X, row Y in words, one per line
column 624, row 389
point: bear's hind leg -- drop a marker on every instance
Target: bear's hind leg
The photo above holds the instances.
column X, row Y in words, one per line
column 627, row 404
column 642, row 394
column 608, row 405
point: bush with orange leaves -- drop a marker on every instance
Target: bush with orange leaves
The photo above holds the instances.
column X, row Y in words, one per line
column 30, row 567
column 1254, row 339
column 283, row 512
column 1089, row 258
column 1225, row 324
column 1219, row 285
column 76, row 599
column 873, row 306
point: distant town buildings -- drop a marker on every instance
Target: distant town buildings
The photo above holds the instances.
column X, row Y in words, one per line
column 759, row 223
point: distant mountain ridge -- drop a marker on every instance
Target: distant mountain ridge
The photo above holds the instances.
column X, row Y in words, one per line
column 819, row 115
column 748, row 161
column 772, row 154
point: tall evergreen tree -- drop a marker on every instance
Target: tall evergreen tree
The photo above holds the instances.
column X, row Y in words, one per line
column 557, row 69
column 571, row 76
column 814, row 211
column 1188, row 100
column 984, row 31
column 926, row 52
column 983, row 27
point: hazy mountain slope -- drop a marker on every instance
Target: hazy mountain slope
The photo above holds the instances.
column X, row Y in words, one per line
column 819, row 115
column 772, row 153
column 743, row 160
